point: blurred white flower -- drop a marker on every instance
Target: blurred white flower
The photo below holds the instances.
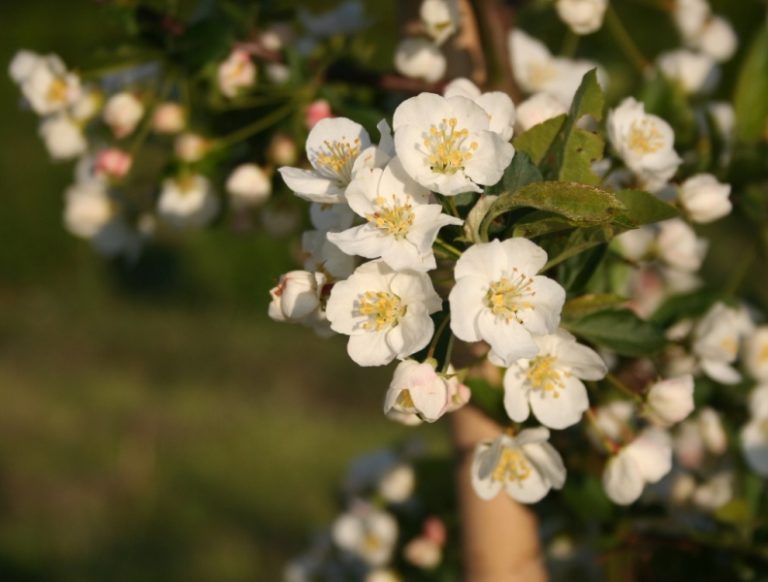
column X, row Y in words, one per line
column 551, row 383
column 669, row 401
column 398, row 483
column 419, row 58
column 423, row 553
column 236, row 73
column 716, row 39
column 448, row 144
column 612, row 420
column 636, row 244
column 45, row 82
column 538, row 108
column 645, row 460
column 754, row 442
column 694, row 72
column 758, row 401
column 716, row 341
column 169, row 118
column 678, row 246
column 690, row 16
column 296, row 296
column 402, row 224
column 385, row 313
column 645, row 142
column 440, row 18
column 87, row 208
column 526, row 466
column 500, row 299
column 367, row 533
column 87, row 105
column 704, row 198
column 188, row 201
column 249, row 185
column 190, row 147
column 582, row 16
column 63, row 137
column 714, row 492
column 756, row 354
column 22, row 64
column 122, row 113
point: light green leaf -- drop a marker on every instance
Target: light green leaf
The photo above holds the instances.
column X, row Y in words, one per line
column 587, row 304
column 643, row 208
column 536, row 141
column 751, row 98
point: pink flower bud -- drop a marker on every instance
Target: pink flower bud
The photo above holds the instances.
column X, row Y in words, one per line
column 317, row 111
column 113, row 163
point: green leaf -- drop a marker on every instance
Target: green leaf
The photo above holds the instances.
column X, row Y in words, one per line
column 735, row 512
column 643, row 208
column 582, row 204
column 587, row 304
column 536, row 141
column 685, row 305
column 488, row 398
column 580, row 240
column 519, row 173
column 619, row 330
column 539, row 222
column 751, row 97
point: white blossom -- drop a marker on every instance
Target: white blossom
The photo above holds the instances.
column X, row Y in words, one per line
column 538, row 108
column 612, row 420
column 716, row 39
column 188, row 201
column 46, row 83
column 754, row 442
column 169, row 118
column 236, row 73
column 670, row 401
column 551, row 383
column 645, row 460
column 367, row 533
column 704, row 198
column 498, row 105
column 449, row 145
column 88, row 208
column 190, row 147
column 526, row 466
column 296, row 296
column 398, row 483
column 690, row 16
column 644, row 142
column 63, row 137
column 417, row 389
column 678, row 246
column 423, row 553
column 500, row 299
column 694, row 72
column 440, row 18
column 716, row 341
column 419, row 58
column 714, row 492
column 22, row 64
column 249, row 185
column 322, row 255
column 122, row 113
column 402, row 223
column 582, row 16
column 385, row 313
column 756, row 354
column 758, row 402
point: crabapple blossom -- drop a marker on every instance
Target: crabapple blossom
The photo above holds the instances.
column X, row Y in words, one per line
column 22, row 64
column 678, row 246
column 537, row 109
column 699, row 435
column 704, row 198
column 282, row 150
column 46, row 83
column 334, row 148
column 498, row 105
column 611, row 420
column 418, row 389
column 113, row 163
column 419, row 58
column 401, row 224
column 756, row 354
column 320, row 254
column 645, row 460
column 87, row 105
column 187, row 201
column 500, row 299
column 296, row 296
column 669, row 401
column 122, row 113
column 367, row 533
column 754, row 443
column 63, row 137
column 693, row 71
column 440, row 18
column 87, row 209
column 169, row 118
column 645, row 143
column 716, row 341
column 716, row 38
column 190, row 147
column 447, row 144
column 550, row 384
column 385, row 313
column 236, row 73
column 582, row 16
column 715, row 492
column 690, row 16
column 526, row 466
column 423, row 553
column 758, row 401
column 249, row 185
column 397, row 484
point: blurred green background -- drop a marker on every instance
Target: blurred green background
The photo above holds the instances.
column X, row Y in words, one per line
column 154, row 423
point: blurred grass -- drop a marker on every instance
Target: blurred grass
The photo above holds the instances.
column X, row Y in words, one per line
column 154, row 424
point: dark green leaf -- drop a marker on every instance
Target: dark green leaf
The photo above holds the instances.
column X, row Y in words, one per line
column 751, row 98
column 619, row 330
column 587, row 304
column 685, row 305
column 539, row 223
column 521, row 172
column 643, row 208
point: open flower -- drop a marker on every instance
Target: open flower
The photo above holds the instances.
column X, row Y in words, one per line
column 551, row 383
column 440, row 17
column 236, row 73
column 678, row 246
column 670, row 401
column 645, row 142
column 693, row 71
column 582, row 16
column 645, row 460
column 402, row 224
column 188, row 201
column 756, row 354
column 418, row 389
column 526, row 466
column 334, row 147
column 716, row 341
column 122, row 113
column 367, row 533
column 46, row 83
column 496, row 104
column 88, row 208
column 715, row 38
column 63, row 137
column 704, row 198
column 385, row 313
column 448, row 145
column 419, row 58
column 499, row 298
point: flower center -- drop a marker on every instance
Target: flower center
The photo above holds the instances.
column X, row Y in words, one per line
column 542, row 375
column 512, row 466
column 507, row 296
column 540, row 73
column 395, row 219
column 57, row 91
column 382, row 308
column 730, row 346
column 445, row 147
column 404, row 401
column 645, row 137
column 762, row 355
column 338, row 158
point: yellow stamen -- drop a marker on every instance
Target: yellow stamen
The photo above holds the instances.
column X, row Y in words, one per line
column 645, row 137
column 506, row 297
column 395, row 219
column 512, row 466
column 58, row 91
column 382, row 308
column 338, row 157
column 543, row 376
column 446, row 151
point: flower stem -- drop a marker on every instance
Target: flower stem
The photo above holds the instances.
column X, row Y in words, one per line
column 610, row 446
column 436, row 338
column 450, row 249
column 256, row 127
column 570, row 44
column 622, row 387
column 625, row 41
